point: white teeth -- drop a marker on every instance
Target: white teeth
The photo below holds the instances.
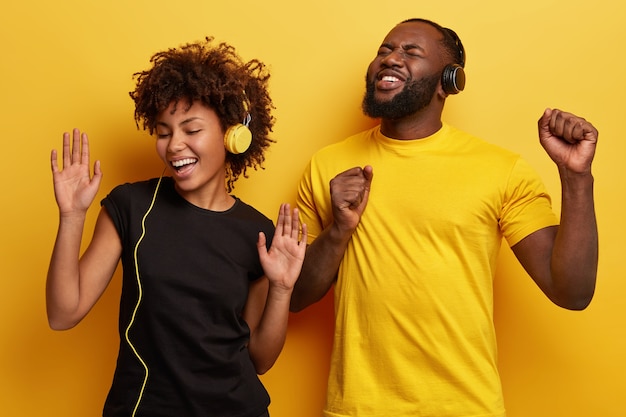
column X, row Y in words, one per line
column 182, row 162
column 390, row 78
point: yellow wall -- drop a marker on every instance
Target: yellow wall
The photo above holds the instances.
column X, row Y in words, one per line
column 69, row 63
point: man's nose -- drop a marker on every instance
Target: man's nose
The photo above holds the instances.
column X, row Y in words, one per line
column 394, row 58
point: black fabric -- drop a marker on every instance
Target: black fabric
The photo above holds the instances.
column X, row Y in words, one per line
column 195, row 267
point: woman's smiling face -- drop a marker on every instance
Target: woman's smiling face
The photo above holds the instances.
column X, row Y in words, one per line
column 190, row 141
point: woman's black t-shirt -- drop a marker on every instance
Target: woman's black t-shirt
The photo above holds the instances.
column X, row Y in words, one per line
column 183, row 342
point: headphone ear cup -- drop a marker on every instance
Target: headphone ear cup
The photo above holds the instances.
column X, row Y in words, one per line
column 237, row 138
column 453, row 79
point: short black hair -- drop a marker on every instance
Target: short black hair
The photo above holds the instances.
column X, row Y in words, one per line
column 451, row 41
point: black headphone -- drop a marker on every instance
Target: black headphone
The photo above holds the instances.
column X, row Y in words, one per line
column 453, row 75
column 238, row 138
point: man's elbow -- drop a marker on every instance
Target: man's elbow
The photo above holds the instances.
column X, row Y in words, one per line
column 579, row 304
column 295, row 306
column 575, row 302
column 301, row 301
column 299, row 298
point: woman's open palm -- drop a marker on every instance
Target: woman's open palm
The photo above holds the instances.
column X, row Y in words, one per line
column 74, row 187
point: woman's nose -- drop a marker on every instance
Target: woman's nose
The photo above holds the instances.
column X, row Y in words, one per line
column 176, row 142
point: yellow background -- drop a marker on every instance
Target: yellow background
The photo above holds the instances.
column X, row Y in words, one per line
column 68, row 64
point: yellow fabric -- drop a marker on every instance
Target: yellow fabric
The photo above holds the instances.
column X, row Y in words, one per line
column 414, row 331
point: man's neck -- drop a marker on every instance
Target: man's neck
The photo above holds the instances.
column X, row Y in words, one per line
column 416, row 126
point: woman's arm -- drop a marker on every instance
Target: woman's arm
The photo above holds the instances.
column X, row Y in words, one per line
column 267, row 309
column 75, row 283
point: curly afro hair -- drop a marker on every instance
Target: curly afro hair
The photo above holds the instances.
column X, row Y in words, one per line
column 216, row 76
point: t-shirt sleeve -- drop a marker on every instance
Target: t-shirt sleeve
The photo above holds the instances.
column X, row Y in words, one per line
column 307, row 206
column 527, row 207
column 113, row 203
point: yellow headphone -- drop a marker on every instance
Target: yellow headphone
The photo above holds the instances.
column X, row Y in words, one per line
column 238, row 138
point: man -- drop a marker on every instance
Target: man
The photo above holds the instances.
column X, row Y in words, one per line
column 410, row 231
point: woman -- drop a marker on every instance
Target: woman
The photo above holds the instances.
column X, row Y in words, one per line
column 204, row 303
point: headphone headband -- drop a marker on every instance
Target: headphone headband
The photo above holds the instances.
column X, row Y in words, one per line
column 459, row 47
column 453, row 76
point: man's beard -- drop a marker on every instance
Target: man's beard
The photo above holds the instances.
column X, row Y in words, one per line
column 415, row 96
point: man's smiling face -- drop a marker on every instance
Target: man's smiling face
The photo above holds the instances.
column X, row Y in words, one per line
column 406, row 72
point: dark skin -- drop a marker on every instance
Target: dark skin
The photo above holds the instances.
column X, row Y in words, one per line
column 562, row 260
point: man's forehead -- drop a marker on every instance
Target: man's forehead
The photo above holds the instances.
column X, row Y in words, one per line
column 412, row 32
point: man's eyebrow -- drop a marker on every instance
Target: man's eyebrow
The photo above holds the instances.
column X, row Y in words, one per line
column 413, row 46
column 404, row 47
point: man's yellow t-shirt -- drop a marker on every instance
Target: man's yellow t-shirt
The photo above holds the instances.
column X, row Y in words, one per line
column 414, row 332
